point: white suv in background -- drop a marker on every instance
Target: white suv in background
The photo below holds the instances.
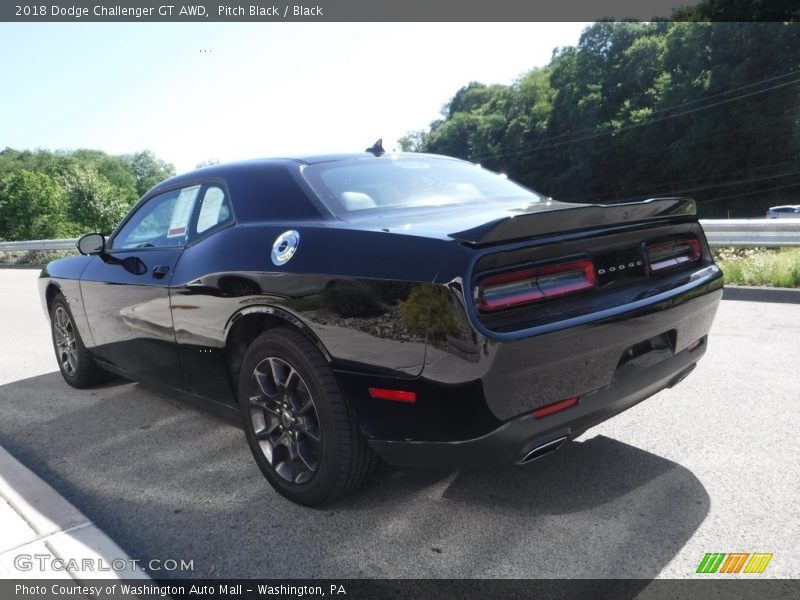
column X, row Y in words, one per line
column 787, row 211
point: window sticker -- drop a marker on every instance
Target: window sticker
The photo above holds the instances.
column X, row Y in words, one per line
column 210, row 209
column 182, row 211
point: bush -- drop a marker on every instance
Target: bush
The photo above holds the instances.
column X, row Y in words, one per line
column 428, row 309
column 31, row 207
column 760, row 266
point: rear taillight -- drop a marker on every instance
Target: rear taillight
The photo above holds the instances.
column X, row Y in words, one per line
column 666, row 255
column 539, row 283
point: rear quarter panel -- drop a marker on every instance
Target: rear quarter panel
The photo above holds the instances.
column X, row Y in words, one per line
column 362, row 296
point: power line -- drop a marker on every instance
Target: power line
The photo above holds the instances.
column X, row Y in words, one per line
column 739, row 182
column 543, row 145
column 671, row 146
column 762, row 191
column 637, row 125
column 673, row 192
column 645, row 188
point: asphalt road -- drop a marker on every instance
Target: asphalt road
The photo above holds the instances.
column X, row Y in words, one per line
column 710, row 466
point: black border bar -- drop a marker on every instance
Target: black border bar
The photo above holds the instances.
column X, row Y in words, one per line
column 336, row 10
column 729, row 588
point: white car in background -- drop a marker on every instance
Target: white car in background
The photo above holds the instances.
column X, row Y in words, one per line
column 787, row 211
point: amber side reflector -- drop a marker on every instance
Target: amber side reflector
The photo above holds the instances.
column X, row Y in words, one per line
column 396, row 395
column 555, row 407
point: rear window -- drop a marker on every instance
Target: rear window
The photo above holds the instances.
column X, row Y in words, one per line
column 368, row 185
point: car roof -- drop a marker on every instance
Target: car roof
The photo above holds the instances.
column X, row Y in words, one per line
column 792, row 206
column 313, row 159
column 222, row 169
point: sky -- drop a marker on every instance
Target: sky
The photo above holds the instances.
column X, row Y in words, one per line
column 191, row 92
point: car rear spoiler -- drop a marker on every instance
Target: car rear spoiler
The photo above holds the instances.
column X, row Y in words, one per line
column 565, row 217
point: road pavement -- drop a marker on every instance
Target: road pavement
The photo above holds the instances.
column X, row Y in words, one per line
column 709, row 466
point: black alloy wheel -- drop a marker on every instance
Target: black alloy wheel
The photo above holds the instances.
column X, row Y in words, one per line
column 74, row 361
column 300, row 429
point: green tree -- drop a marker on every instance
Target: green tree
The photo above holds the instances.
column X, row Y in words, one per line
column 31, row 206
column 148, row 170
column 207, row 163
column 93, row 202
column 637, row 110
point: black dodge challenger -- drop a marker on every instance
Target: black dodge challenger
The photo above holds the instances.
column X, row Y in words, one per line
column 411, row 307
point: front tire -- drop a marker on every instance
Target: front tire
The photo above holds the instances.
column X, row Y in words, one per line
column 302, row 433
column 76, row 364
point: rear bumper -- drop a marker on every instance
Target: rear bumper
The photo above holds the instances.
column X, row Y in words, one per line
column 475, row 401
column 514, row 439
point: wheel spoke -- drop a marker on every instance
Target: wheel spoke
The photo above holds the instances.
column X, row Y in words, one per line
column 278, row 375
column 309, row 434
column 300, row 398
column 292, row 381
column 64, row 359
column 269, row 428
column 303, row 410
column 262, row 403
column 266, row 386
column 65, row 341
column 310, row 463
column 284, row 469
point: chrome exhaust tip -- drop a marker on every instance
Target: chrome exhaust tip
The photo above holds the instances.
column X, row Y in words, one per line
column 681, row 376
column 540, row 451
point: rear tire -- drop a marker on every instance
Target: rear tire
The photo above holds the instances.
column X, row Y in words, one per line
column 76, row 364
column 301, row 431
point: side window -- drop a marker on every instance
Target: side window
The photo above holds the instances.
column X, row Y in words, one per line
column 215, row 210
column 162, row 222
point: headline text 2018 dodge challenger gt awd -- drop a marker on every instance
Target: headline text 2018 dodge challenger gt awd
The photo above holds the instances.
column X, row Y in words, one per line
column 411, row 307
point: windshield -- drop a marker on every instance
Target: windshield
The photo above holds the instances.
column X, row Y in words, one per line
column 364, row 186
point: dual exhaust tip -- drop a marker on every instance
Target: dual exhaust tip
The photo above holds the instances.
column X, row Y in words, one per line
column 543, row 449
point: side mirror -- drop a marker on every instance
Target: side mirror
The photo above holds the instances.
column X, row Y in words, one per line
column 92, row 243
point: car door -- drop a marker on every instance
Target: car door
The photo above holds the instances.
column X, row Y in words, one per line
column 204, row 293
column 126, row 291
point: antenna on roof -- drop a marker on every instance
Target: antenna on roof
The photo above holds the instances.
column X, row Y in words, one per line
column 377, row 148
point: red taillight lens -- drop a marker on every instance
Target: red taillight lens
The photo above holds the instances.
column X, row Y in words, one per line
column 665, row 255
column 531, row 285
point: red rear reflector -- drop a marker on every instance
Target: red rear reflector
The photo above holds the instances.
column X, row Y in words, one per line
column 396, row 395
column 555, row 407
column 666, row 255
column 530, row 285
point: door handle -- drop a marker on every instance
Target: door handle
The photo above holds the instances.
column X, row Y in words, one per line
column 160, row 271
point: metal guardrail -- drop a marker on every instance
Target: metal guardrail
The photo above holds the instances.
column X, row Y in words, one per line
column 38, row 245
column 739, row 233
column 749, row 233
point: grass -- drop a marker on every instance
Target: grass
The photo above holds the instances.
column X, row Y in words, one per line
column 760, row 266
column 32, row 258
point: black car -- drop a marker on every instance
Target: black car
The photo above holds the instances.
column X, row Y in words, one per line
column 411, row 307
